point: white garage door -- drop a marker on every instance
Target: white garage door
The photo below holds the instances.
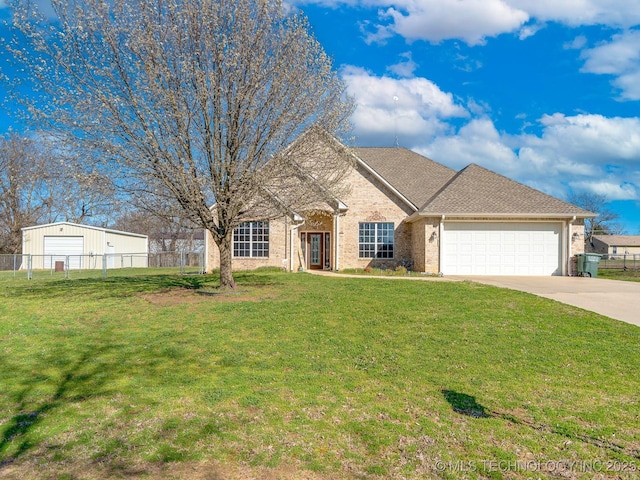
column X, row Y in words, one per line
column 502, row 249
column 56, row 249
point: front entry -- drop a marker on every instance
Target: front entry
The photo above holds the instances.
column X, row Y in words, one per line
column 316, row 250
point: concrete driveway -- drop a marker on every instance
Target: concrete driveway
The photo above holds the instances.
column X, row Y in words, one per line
column 612, row 298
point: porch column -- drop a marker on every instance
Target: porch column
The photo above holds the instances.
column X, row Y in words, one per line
column 336, row 241
column 440, row 232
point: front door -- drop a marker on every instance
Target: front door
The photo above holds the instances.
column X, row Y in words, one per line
column 317, row 250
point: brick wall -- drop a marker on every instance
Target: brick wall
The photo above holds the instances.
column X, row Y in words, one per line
column 278, row 249
column 371, row 201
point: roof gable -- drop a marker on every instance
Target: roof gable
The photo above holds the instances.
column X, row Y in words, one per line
column 413, row 176
column 476, row 191
column 619, row 240
column 90, row 227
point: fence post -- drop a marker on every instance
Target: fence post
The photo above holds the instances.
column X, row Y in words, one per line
column 29, row 266
column 104, row 265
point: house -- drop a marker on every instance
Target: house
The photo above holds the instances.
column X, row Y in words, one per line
column 184, row 241
column 405, row 209
column 83, row 246
column 615, row 244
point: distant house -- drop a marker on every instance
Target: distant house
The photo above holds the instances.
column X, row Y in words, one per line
column 188, row 241
column 615, row 244
column 407, row 210
column 83, row 246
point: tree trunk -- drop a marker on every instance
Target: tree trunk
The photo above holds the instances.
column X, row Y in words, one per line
column 226, row 274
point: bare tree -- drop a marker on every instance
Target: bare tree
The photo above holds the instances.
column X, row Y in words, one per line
column 163, row 224
column 42, row 183
column 606, row 221
column 82, row 194
column 25, row 198
column 199, row 98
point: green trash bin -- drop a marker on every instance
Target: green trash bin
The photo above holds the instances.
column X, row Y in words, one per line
column 588, row 264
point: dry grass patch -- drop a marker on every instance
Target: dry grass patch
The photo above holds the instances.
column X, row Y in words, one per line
column 205, row 470
column 180, row 296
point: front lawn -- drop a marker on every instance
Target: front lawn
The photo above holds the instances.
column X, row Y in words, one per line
column 629, row 275
column 302, row 376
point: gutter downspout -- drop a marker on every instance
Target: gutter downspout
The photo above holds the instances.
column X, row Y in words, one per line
column 569, row 245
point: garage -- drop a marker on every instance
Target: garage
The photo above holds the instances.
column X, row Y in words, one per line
column 479, row 248
column 82, row 246
column 59, row 248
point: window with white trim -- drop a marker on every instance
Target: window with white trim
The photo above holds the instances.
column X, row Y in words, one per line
column 375, row 240
column 251, row 239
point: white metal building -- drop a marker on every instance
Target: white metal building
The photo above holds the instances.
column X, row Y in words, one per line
column 83, row 246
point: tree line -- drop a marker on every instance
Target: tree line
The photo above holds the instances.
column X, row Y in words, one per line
column 42, row 182
column 191, row 104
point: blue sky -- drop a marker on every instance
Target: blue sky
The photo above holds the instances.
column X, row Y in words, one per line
column 544, row 91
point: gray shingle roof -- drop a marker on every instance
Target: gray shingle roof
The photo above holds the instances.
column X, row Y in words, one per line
column 416, row 177
column 476, row 191
column 619, row 240
column 439, row 190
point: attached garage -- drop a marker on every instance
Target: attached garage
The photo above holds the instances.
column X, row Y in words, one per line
column 82, row 247
column 479, row 248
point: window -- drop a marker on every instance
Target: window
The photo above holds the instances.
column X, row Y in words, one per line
column 375, row 240
column 251, row 239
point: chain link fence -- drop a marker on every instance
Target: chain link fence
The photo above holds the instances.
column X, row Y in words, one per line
column 77, row 266
column 622, row 262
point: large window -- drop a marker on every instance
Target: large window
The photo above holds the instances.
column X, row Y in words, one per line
column 251, row 239
column 375, row 240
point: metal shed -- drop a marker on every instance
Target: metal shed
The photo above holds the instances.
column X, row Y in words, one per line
column 83, row 246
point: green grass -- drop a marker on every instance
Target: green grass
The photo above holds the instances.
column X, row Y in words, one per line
column 333, row 377
column 628, row 275
column 396, row 272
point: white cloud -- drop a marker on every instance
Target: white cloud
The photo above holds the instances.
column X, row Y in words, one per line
column 404, row 68
column 620, row 55
column 586, row 152
column 468, row 20
column 413, row 107
column 618, row 13
column 530, row 30
column 577, row 43
column 593, row 138
column 473, row 21
column 629, row 84
column 476, row 142
column 610, row 189
column 621, row 58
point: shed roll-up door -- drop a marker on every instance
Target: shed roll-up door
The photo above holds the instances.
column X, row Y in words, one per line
column 56, row 249
column 501, row 248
